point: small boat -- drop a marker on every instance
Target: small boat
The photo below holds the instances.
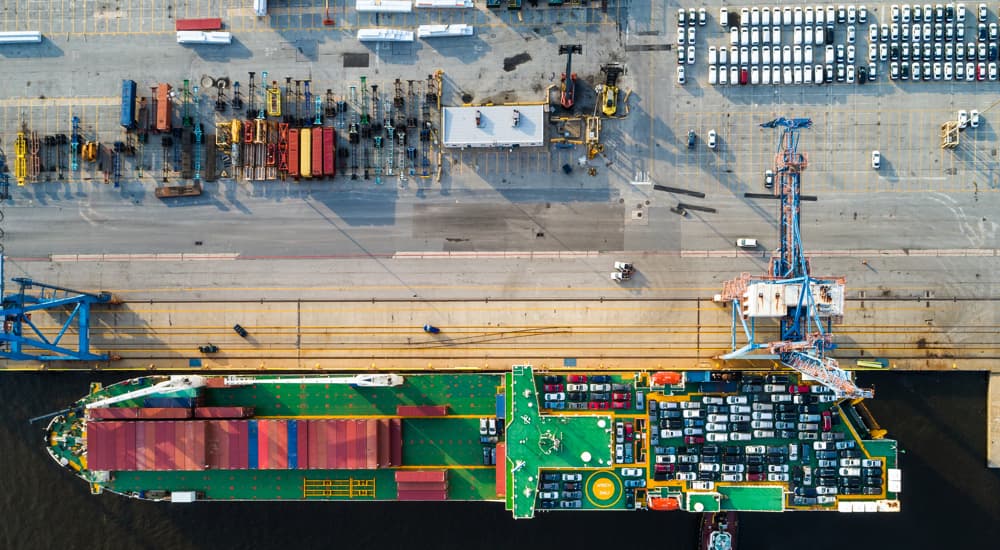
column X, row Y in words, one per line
column 718, row 531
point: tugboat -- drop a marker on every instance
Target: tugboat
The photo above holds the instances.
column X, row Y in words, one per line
column 718, row 531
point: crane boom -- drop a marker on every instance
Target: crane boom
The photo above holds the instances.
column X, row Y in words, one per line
column 174, row 384
column 362, row 380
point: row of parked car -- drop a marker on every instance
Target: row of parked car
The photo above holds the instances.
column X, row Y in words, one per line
column 579, row 394
column 914, row 70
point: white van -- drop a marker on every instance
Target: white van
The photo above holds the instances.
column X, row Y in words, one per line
column 746, row 243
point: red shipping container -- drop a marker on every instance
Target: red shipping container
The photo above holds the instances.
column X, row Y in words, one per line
column 338, row 433
column 150, row 428
column 280, row 458
column 501, row 469
column 140, row 445
column 208, row 24
column 130, row 461
column 319, row 439
column 119, row 452
column 371, row 444
column 421, row 410
column 329, row 152
column 171, row 439
column 410, row 487
column 351, row 445
column 215, row 381
column 243, row 457
column 383, row 442
column 293, row 152
column 187, row 431
column 317, row 152
column 421, row 476
column 163, row 413
column 213, row 445
column 161, row 445
column 302, row 445
column 232, row 450
column 200, row 459
column 396, row 441
column 112, row 413
column 262, row 429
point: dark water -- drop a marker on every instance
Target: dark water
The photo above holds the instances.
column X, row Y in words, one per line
column 950, row 500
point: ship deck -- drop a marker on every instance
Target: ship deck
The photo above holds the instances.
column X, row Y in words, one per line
column 541, row 441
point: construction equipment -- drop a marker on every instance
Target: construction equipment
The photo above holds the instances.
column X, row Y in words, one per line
column 251, row 96
column 609, row 94
column 20, row 158
column 22, row 340
column 263, row 96
column 89, row 151
column 186, row 119
column 220, row 96
column 806, row 307
column 306, row 104
column 274, row 99
column 950, row 134
column 196, row 99
column 569, row 77
column 237, row 101
column 317, row 110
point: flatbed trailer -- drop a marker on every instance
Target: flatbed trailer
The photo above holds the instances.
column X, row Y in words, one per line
column 205, row 24
column 175, row 191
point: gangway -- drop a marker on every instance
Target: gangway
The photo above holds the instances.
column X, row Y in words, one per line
column 805, row 307
column 174, row 384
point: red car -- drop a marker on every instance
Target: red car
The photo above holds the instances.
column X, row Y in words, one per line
column 598, row 405
column 621, row 396
column 628, row 431
column 798, row 389
column 617, row 405
column 664, row 468
column 577, row 379
column 694, row 439
column 827, row 421
column 554, row 387
column 744, row 77
column 755, row 477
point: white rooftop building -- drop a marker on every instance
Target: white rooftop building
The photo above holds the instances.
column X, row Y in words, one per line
column 494, row 126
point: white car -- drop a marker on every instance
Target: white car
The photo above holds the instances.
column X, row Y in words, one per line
column 818, row 74
column 732, row 477
column 600, row 387
column 895, row 13
column 723, row 75
column 876, row 159
column 873, row 33
column 703, row 467
column 850, row 54
column 851, row 34
column 631, row 472
column 702, row 17
column 983, row 13
column 576, row 387
column 734, row 36
column 852, row 14
column 716, row 427
column 850, row 462
column 871, row 463
column 555, row 396
column 850, row 472
column 687, row 476
column 691, row 413
column 692, row 33
column 963, row 118
column 723, row 17
column 777, row 477
column 739, row 436
column 716, row 437
column 680, row 36
column 667, row 434
column 690, row 55
column 974, row 119
column 776, row 35
column 718, row 418
column 755, row 36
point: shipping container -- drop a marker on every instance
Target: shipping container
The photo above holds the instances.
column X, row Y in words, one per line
column 162, row 413
column 501, row 469
column 129, row 105
column 140, row 446
column 501, row 410
column 384, row 448
column 280, row 459
column 217, row 38
column 163, row 107
column 113, row 413
column 317, row 152
column 396, row 441
column 20, row 37
column 421, row 410
column 293, row 152
column 223, row 412
column 207, row 24
column 294, row 445
column 421, row 476
column 305, row 153
column 130, row 446
column 329, row 152
column 439, row 494
column 150, row 444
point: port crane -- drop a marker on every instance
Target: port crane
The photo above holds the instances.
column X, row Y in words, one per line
column 806, row 307
column 569, row 77
column 22, row 340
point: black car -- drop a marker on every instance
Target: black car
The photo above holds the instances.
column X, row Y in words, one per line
column 548, row 504
column 805, row 491
column 755, row 468
column 600, row 396
column 687, row 467
column 731, row 459
column 733, row 450
column 850, row 453
column 777, row 379
column 549, row 487
column 776, row 459
column 826, row 455
column 717, row 409
column 809, row 408
column 786, row 408
column 826, row 481
column 803, row 501
column 600, row 379
column 755, row 460
column 710, row 459
column 576, row 396
column 553, row 379
column 708, row 476
column 871, row 491
column 849, row 482
column 710, row 450
column 551, row 477
column 825, row 472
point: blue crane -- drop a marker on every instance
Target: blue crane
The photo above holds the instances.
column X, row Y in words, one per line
column 22, row 340
column 806, row 307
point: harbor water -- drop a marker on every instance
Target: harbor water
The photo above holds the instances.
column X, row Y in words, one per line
column 950, row 499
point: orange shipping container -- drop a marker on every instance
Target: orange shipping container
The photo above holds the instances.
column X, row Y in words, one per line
column 293, row 152
column 163, row 107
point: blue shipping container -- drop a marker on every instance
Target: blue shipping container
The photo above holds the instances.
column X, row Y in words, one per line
column 252, row 451
column 293, row 444
column 128, row 104
column 697, row 376
column 501, row 407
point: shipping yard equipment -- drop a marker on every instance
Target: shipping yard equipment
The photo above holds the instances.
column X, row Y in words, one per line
column 22, row 340
column 568, row 86
column 163, row 107
column 21, row 158
column 383, row 6
column 382, row 34
column 20, row 37
column 274, row 100
column 327, row 20
column 218, row 38
column 128, row 118
column 805, row 307
column 445, row 31
column 609, row 95
column 207, row 24
column 177, row 191
column 260, row 8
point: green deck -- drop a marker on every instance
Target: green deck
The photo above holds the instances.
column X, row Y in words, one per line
column 538, row 441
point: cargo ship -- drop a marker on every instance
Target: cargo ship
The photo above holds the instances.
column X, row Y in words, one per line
column 698, row 441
